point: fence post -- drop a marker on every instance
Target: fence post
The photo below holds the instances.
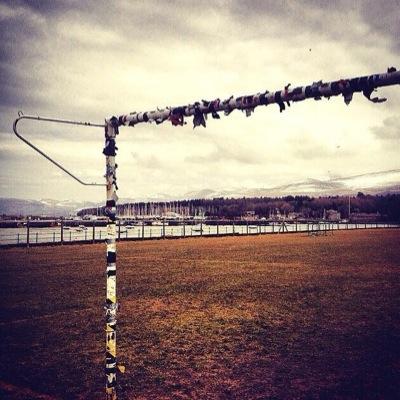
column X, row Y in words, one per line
column 93, row 232
column 233, row 227
column 119, row 229
column 27, row 232
column 217, row 228
column 163, row 228
column 17, row 238
column 247, row 227
column 37, row 237
column 184, row 229
column 62, row 230
column 143, row 228
column 201, row 228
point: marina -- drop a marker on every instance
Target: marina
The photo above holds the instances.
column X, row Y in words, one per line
column 28, row 235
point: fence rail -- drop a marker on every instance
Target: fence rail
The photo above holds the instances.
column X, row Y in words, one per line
column 30, row 236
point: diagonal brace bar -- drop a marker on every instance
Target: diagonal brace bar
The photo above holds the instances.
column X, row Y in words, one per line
column 42, row 153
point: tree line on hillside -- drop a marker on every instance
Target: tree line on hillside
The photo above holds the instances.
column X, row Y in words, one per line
column 386, row 206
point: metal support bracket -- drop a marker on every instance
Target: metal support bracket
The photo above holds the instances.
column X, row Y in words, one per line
column 42, row 153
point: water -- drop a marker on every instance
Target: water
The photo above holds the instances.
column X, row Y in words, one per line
column 53, row 235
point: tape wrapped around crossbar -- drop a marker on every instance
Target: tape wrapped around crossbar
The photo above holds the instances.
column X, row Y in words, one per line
column 317, row 91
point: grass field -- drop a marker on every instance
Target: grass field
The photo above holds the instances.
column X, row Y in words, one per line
column 273, row 316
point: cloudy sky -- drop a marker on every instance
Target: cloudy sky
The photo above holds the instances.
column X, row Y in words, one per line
column 90, row 60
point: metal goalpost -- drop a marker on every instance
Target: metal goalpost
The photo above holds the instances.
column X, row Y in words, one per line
column 176, row 115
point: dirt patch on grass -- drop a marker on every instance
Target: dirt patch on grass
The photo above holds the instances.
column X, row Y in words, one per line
column 283, row 316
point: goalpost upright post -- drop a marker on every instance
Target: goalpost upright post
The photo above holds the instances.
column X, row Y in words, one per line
column 111, row 306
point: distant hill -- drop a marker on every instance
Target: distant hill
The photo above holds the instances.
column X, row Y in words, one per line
column 45, row 207
column 384, row 182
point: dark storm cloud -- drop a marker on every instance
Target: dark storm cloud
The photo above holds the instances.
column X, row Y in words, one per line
column 384, row 18
column 37, row 35
column 22, row 31
column 141, row 24
column 47, row 7
column 334, row 19
column 389, row 131
column 380, row 16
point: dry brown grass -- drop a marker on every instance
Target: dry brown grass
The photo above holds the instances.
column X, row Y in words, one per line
column 285, row 317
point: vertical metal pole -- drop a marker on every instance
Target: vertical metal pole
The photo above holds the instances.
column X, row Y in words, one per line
column 142, row 228
column 93, row 232
column 163, row 228
column 111, row 130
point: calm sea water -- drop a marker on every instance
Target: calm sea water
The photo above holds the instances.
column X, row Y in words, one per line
column 50, row 235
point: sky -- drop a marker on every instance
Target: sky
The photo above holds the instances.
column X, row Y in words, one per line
column 90, row 60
